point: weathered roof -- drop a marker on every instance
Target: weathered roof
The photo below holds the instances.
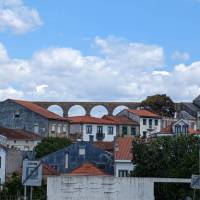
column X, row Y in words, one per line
column 88, row 169
column 121, row 120
column 18, row 134
column 107, row 146
column 48, row 170
column 123, row 149
column 39, row 110
column 144, row 113
column 89, row 120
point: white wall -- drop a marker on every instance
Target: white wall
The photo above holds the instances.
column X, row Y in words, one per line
column 23, row 145
column 3, row 165
column 108, row 138
column 146, row 127
column 103, row 187
column 123, row 165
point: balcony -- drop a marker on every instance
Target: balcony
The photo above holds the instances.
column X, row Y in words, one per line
column 100, row 136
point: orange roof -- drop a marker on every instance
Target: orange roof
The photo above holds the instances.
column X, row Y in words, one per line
column 168, row 129
column 194, row 132
column 48, row 170
column 124, row 148
column 18, row 134
column 120, row 120
column 39, row 110
column 88, row 169
column 144, row 113
column 89, row 120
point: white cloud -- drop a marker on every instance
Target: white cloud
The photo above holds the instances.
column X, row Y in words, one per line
column 17, row 17
column 123, row 71
column 180, row 56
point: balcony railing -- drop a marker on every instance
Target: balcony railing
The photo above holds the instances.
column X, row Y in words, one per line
column 100, row 136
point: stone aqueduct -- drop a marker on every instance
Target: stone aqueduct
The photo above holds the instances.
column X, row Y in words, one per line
column 88, row 106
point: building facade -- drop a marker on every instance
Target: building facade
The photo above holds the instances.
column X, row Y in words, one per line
column 28, row 116
column 149, row 122
column 2, row 164
column 92, row 128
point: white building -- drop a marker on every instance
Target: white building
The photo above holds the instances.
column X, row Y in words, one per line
column 92, row 129
column 123, row 156
column 19, row 139
column 150, row 122
column 2, row 164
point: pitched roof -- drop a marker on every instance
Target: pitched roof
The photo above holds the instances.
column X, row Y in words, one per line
column 88, row 169
column 107, row 146
column 167, row 129
column 18, row 134
column 121, row 120
column 39, row 110
column 123, row 149
column 194, row 132
column 89, row 120
column 144, row 113
column 48, row 170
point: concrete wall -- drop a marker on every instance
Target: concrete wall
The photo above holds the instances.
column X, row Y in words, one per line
column 3, row 165
column 103, row 188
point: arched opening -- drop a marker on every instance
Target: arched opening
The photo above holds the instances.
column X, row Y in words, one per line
column 118, row 109
column 56, row 109
column 76, row 110
column 98, row 111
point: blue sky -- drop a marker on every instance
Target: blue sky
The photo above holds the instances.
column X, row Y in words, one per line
column 127, row 49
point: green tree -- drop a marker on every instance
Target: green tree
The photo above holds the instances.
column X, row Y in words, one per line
column 161, row 104
column 168, row 157
column 49, row 145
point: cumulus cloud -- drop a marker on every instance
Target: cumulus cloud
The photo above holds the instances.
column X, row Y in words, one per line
column 17, row 17
column 180, row 56
column 121, row 71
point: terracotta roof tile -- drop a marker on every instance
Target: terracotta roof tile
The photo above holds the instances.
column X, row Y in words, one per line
column 107, row 146
column 121, row 120
column 144, row 113
column 17, row 134
column 39, row 110
column 89, row 120
column 88, row 169
column 123, row 149
column 168, row 129
column 48, row 170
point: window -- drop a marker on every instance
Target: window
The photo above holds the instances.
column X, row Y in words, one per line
column 133, row 130
column 124, row 130
column 53, row 128
column 144, row 134
column 0, row 162
column 14, row 141
column 66, row 160
column 123, row 173
column 177, row 129
column 150, row 123
column 185, row 129
column 99, row 129
column 36, row 128
column 89, row 129
column 110, row 130
column 59, row 128
column 144, row 121
column 64, row 128
column 17, row 115
column 91, row 138
column 156, row 122
column 82, row 150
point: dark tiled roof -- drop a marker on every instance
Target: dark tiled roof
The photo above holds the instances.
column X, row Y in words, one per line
column 123, row 149
column 90, row 120
column 121, row 120
column 144, row 113
column 88, row 169
column 39, row 110
column 17, row 134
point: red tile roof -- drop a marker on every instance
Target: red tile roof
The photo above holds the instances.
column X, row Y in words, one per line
column 88, row 169
column 39, row 110
column 168, row 129
column 121, row 120
column 89, row 120
column 48, row 170
column 107, row 146
column 17, row 134
column 123, row 149
column 144, row 113
column 194, row 132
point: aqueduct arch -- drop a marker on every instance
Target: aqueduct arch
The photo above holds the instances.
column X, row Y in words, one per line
column 110, row 106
